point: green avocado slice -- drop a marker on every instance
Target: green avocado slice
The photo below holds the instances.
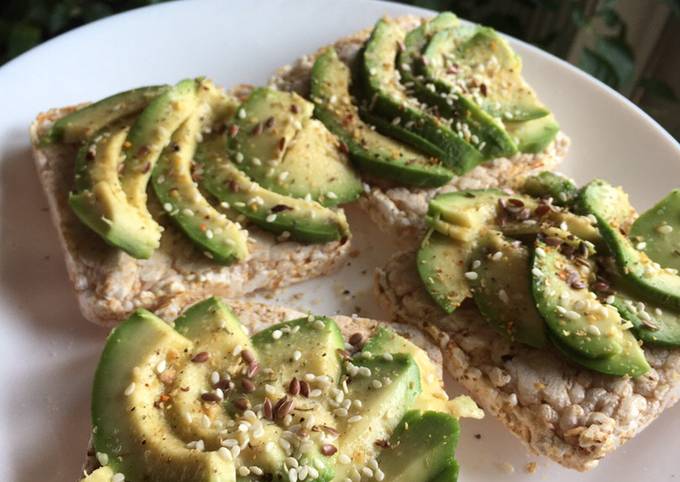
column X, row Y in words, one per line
column 85, row 122
column 548, row 184
column 384, row 404
column 502, row 289
column 421, row 448
column 219, row 238
column 659, row 229
column 387, row 98
column 375, row 154
column 424, row 48
column 572, row 313
column 479, row 64
column 305, row 221
column 442, row 263
column 639, row 273
column 653, row 324
column 630, row 361
column 99, row 200
column 277, row 144
column 533, row 136
column 124, row 414
column 148, row 136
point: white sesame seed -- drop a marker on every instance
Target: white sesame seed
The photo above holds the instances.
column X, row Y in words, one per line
column 283, row 176
column 276, row 334
column 118, row 477
column 130, row 389
column 271, row 218
column 344, row 459
column 209, row 233
column 297, row 355
column 237, row 350
column 376, row 384
column 476, row 264
column 497, row 256
column 367, row 472
column 539, row 252
column 243, row 471
column 167, row 207
column 214, row 378
column 593, row 330
column 224, row 453
column 315, row 393
column 331, row 195
column 471, row 275
column 241, row 113
column 256, row 470
column 354, row 419
column 292, row 474
column 665, row 229
column 238, row 157
column 388, row 356
column 536, row 272
column 340, row 412
column 319, row 324
column 235, row 451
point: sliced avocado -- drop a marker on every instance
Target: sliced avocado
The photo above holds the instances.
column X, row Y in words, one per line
column 125, row 418
column 630, row 361
column 148, row 136
column 421, row 448
column 442, row 263
column 502, row 289
column 548, row 184
column 279, row 145
column 652, row 324
column 479, row 64
column 659, row 229
column 214, row 331
column 470, row 121
column 318, row 339
column 375, row 154
column 461, row 214
column 535, row 135
column 99, row 200
column 572, row 313
column 386, row 97
column 211, row 231
column 432, row 397
column 384, row 405
column 85, row 122
column 306, row 221
column 643, row 276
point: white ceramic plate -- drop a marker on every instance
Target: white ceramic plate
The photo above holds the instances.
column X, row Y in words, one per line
column 49, row 352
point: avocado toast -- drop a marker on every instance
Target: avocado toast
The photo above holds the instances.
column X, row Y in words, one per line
column 122, row 262
column 549, row 310
column 397, row 192
column 242, row 391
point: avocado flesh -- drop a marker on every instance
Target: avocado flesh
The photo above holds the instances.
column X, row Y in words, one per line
column 432, row 397
column 85, row 122
column 639, row 273
column 100, row 202
column 653, row 324
column 533, row 136
column 387, row 98
column 212, row 328
column 461, row 214
column 548, row 184
column 442, row 263
column 305, row 221
column 630, row 361
column 659, row 229
column 148, row 136
column 421, row 448
column 279, row 146
column 374, row 153
column 469, row 57
column 572, row 313
column 383, row 407
column 502, row 290
column 476, row 126
column 211, row 231
column 123, row 423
